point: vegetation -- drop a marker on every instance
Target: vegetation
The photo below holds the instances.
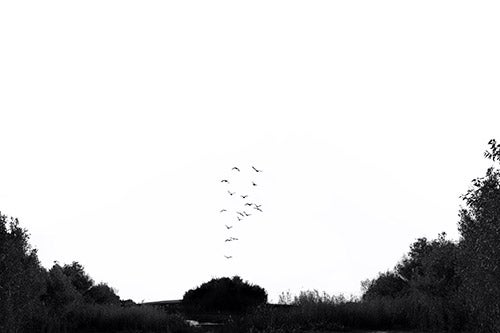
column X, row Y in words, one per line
column 63, row 298
column 224, row 294
column 439, row 285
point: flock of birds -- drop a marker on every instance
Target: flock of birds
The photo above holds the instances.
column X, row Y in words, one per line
column 245, row 204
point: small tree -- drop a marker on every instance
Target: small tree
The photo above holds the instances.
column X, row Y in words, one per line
column 79, row 279
column 61, row 298
column 102, row 294
column 387, row 284
column 225, row 294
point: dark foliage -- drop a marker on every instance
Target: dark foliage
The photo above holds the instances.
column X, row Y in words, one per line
column 480, row 247
column 225, row 294
column 388, row 284
column 102, row 294
column 22, row 279
column 79, row 279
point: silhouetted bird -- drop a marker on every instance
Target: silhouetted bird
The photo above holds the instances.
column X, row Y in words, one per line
column 223, row 210
column 256, row 169
column 230, row 193
column 258, row 208
column 228, row 226
column 228, row 257
column 240, row 213
column 246, row 214
column 235, row 168
column 224, row 181
column 254, row 184
column 244, row 196
column 230, row 239
column 248, row 204
column 239, row 219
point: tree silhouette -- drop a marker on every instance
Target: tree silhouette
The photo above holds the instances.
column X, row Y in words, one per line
column 225, row 294
column 22, row 279
column 479, row 228
column 79, row 279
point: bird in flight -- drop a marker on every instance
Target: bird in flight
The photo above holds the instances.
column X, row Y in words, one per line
column 253, row 183
column 224, row 181
column 235, row 168
column 248, row 204
column 239, row 219
column 240, row 213
column 228, row 226
column 246, row 214
column 256, row 170
column 244, row 196
column 228, row 257
column 258, row 208
column 230, row 239
column 223, row 210
column 230, row 193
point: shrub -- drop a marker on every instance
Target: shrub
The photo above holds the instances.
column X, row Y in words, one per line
column 102, row 294
column 224, row 294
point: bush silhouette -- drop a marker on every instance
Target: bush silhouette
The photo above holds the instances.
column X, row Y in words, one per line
column 225, row 294
column 102, row 294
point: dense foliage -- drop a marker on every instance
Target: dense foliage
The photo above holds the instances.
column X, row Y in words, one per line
column 225, row 294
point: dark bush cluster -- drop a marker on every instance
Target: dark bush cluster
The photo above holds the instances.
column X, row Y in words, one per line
column 224, row 294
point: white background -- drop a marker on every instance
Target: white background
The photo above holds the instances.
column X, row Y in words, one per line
column 118, row 119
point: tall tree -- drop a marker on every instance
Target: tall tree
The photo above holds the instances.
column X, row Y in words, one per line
column 22, row 279
column 479, row 228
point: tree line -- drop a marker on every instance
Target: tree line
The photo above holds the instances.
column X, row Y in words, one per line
column 447, row 284
column 33, row 298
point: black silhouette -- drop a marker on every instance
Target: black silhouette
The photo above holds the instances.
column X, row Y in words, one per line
column 228, row 257
column 248, row 204
column 225, row 295
column 228, row 226
column 240, row 213
column 230, row 239
column 246, row 214
column 223, row 210
column 235, row 168
column 253, row 183
column 224, row 181
column 258, row 208
column 256, row 170
column 244, row 196
column 230, row 193
column 239, row 219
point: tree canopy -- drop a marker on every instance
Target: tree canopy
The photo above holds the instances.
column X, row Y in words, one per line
column 225, row 294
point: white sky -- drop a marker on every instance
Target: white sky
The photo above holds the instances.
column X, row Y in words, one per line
column 118, row 119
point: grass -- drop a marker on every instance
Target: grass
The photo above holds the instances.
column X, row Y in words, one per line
column 114, row 318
